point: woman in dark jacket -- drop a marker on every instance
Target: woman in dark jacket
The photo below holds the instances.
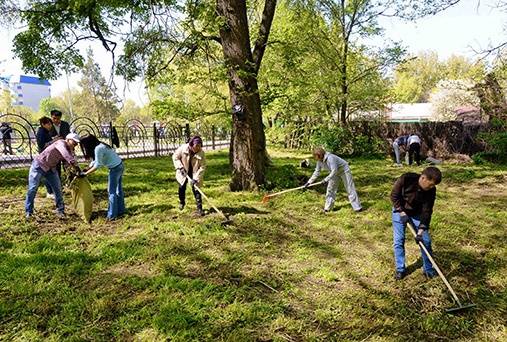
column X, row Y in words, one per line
column 44, row 133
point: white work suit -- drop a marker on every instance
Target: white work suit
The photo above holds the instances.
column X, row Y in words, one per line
column 338, row 168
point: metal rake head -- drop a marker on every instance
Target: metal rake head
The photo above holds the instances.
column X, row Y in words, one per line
column 460, row 308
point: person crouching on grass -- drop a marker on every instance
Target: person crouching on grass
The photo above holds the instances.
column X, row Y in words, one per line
column 413, row 196
column 102, row 154
column 189, row 161
column 44, row 165
column 338, row 168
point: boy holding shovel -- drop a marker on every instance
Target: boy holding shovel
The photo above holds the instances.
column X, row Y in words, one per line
column 338, row 168
column 413, row 196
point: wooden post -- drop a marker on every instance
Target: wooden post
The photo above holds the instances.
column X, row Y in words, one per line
column 155, row 139
column 213, row 137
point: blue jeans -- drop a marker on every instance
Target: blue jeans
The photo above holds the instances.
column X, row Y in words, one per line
column 399, row 244
column 115, row 189
column 34, row 178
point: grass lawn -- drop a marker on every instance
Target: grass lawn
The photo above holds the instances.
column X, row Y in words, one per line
column 283, row 271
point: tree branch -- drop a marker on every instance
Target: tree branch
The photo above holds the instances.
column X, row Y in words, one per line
column 264, row 28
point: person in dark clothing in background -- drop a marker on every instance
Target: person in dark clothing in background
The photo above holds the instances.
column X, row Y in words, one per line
column 59, row 130
column 400, row 141
column 44, row 133
column 6, row 131
column 44, row 140
column 413, row 197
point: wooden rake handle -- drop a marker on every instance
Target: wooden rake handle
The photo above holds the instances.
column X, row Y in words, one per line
column 207, row 199
column 293, row 189
column 412, row 229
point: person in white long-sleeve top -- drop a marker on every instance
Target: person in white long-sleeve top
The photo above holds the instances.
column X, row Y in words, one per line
column 414, row 149
column 338, row 168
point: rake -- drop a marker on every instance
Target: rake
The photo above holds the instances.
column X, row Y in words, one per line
column 460, row 306
column 226, row 220
column 267, row 197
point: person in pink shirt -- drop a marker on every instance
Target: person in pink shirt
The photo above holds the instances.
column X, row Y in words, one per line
column 44, row 165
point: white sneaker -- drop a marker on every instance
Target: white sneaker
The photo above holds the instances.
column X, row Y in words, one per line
column 52, row 196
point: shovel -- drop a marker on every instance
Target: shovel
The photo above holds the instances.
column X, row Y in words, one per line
column 226, row 220
column 460, row 306
column 267, row 197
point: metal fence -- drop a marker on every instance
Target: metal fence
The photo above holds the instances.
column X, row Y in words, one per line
column 136, row 140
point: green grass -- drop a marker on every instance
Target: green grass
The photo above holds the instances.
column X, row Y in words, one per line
column 283, row 271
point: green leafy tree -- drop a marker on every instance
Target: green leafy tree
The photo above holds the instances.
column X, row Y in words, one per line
column 153, row 32
column 101, row 100
column 351, row 22
column 416, row 78
column 131, row 111
column 48, row 104
column 301, row 77
column 6, row 100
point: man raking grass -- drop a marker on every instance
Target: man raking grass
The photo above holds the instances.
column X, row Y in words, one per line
column 338, row 168
column 413, row 197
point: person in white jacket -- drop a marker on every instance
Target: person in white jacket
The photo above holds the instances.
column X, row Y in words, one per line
column 414, row 149
column 189, row 161
column 338, row 168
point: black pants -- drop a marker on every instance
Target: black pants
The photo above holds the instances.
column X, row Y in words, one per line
column 414, row 152
column 197, row 194
column 7, row 146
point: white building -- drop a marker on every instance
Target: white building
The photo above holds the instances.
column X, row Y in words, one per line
column 26, row 90
column 409, row 112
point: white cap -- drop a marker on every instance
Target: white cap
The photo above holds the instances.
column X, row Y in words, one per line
column 73, row 136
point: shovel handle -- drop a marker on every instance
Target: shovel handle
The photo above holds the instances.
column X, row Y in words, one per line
column 208, row 200
column 293, row 189
column 412, row 229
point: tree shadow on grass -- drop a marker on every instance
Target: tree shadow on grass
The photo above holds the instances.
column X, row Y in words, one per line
column 242, row 209
column 145, row 208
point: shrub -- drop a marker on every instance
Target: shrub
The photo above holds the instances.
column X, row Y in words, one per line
column 345, row 141
column 496, row 143
column 284, row 177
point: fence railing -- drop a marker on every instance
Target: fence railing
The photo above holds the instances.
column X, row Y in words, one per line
column 19, row 145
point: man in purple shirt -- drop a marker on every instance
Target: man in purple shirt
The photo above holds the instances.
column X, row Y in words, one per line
column 44, row 165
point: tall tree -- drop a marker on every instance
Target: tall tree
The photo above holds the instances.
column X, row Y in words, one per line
column 101, row 100
column 416, row 78
column 355, row 20
column 300, row 80
column 6, row 100
column 152, row 36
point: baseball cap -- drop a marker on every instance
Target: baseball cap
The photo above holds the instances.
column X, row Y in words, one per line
column 73, row 136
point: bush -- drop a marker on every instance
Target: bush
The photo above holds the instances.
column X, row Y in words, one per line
column 344, row 141
column 283, row 177
column 496, row 144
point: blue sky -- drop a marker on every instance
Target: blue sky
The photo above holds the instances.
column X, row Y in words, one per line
column 470, row 25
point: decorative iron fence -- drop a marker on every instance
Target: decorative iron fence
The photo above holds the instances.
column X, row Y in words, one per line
column 136, row 140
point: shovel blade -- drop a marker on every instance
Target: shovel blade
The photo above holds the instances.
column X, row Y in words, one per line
column 460, row 308
column 265, row 199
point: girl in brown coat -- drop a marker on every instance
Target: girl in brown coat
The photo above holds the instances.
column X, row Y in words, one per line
column 189, row 161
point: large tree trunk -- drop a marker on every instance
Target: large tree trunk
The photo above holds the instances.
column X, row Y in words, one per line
column 248, row 155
